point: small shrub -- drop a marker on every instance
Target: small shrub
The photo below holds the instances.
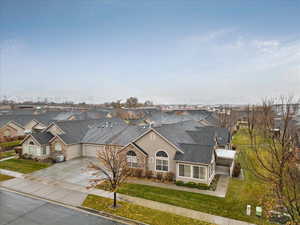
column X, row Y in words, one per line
column 131, row 172
column 18, row 151
column 203, row 186
column 159, row 176
column 192, row 185
column 236, row 170
column 25, row 156
column 179, row 183
column 214, row 183
column 170, row 176
column 138, row 172
column 149, row 174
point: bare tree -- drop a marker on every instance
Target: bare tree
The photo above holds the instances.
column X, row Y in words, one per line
column 271, row 157
column 252, row 120
column 114, row 166
column 227, row 118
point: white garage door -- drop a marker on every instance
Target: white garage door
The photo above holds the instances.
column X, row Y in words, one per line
column 91, row 150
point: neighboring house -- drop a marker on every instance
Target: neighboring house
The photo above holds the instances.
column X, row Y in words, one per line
column 20, row 125
column 187, row 149
column 11, row 129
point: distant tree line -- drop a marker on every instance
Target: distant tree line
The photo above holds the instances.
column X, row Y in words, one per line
column 131, row 102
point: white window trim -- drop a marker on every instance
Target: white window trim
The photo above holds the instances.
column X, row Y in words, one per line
column 191, row 167
column 161, row 158
column 192, row 172
column 47, row 150
column 130, row 161
column 55, row 149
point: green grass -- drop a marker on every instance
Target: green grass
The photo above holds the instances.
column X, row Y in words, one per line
column 240, row 193
column 5, row 177
column 22, row 165
column 233, row 206
column 10, row 144
column 7, row 154
column 140, row 213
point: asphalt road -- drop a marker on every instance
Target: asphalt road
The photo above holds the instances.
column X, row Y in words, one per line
column 16, row 209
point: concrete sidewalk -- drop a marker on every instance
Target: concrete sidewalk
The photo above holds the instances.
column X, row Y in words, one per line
column 11, row 173
column 183, row 211
column 67, row 193
column 74, row 195
column 7, row 158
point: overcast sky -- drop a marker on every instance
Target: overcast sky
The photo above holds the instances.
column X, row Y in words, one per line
column 186, row 51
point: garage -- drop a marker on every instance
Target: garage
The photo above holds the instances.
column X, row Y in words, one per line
column 90, row 150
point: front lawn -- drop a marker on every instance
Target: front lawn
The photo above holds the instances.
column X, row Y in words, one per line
column 5, row 177
column 22, row 165
column 10, row 144
column 7, row 154
column 140, row 213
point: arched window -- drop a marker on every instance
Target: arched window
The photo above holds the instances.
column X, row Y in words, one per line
column 162, row 161
column 31, row 148
column 132, row 159
column 58, row 147
column 7, row 133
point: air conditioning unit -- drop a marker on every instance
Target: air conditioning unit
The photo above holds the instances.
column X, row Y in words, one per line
column 59, row 158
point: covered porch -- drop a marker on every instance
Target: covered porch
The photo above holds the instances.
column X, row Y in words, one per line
column 225, row 161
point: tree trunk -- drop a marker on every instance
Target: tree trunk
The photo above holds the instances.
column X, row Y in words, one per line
column 115, row 200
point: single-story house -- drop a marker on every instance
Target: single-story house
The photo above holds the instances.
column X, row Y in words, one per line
column 186, row 149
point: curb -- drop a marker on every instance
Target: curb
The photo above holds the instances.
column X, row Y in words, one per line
column 102, row 213
column 81, row 208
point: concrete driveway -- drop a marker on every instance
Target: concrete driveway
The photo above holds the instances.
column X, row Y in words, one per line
column 73, row 171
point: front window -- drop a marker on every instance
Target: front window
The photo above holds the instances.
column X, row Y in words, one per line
column 44, row 150
column 184, row 170
column 196, row 172
column 132, row 159
column 199, row 172
column 7, row 133
column 162, row 161
column 31, row 148
column 58, row 147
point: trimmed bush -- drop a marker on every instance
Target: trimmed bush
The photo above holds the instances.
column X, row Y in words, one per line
column 192, row 185
column 136, row 172
column 236, row 170
column 159, row 176
column 179, row 183
column 149, row 174
column 18, row 151
column 170, row 176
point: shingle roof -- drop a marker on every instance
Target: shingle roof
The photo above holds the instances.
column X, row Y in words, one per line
column 114, row 132
column 195, row 140
column 42, row 138
column 23, row 119
column 159, row 117
column 195, row 153
column 19, row 119
column 74, row 130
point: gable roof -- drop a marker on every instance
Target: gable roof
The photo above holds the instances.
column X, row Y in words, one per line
column 195, row 153
column 74, row 130
column 113, row 131
column 42, row 138
column 196, row 141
